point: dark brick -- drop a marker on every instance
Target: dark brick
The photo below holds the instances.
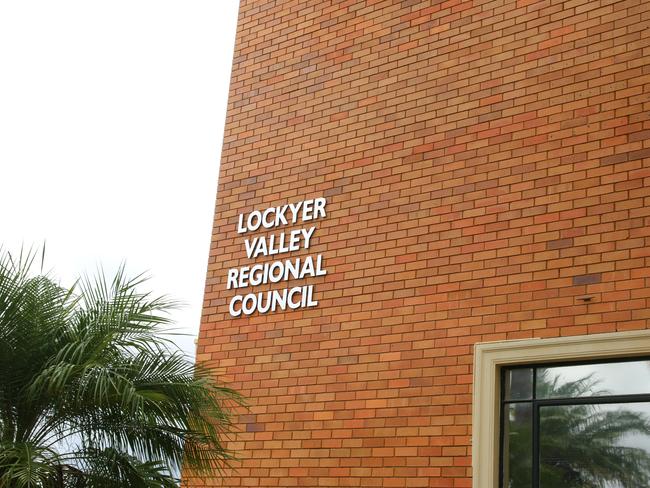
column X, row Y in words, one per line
column 640, row 154
column 255, row 427
column 587, row 279
column 639, row 136
column 559, row 244
column 614, row 159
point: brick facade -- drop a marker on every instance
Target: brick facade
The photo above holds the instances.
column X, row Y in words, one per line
column 485, row 163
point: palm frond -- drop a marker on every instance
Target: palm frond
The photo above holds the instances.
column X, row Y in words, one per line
column 93, row 392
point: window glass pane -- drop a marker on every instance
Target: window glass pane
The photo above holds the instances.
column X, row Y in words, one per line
column 517, row 445
column 599, row 446
column 519, row 384
column 623, row 378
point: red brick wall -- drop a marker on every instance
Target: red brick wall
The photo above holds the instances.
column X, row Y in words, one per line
column 485, row 163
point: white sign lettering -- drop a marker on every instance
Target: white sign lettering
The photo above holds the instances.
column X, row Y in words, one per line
column 277, row 271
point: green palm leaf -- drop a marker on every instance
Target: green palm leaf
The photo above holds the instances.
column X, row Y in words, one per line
column 92, row 393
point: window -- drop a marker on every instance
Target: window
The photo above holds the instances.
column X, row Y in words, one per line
column 506, row 377
column 576, row 425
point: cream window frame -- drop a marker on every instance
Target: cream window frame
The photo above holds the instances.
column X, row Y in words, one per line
column 490, row 357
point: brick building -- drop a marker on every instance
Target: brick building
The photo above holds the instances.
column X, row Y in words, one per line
column 485, row 168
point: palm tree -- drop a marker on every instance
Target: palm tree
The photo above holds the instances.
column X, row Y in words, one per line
column 580, row 448
column 580, row 444
column 91, row 393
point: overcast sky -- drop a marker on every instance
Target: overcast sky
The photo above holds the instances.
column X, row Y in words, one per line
column 111, row 124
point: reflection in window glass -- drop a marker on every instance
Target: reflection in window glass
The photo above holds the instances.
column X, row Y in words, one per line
column 519, row 384
column 606, row 445
column 517, row 445
column 586, row 380
column 579, row 426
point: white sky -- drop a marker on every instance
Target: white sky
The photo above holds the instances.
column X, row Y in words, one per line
column 111, row 124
